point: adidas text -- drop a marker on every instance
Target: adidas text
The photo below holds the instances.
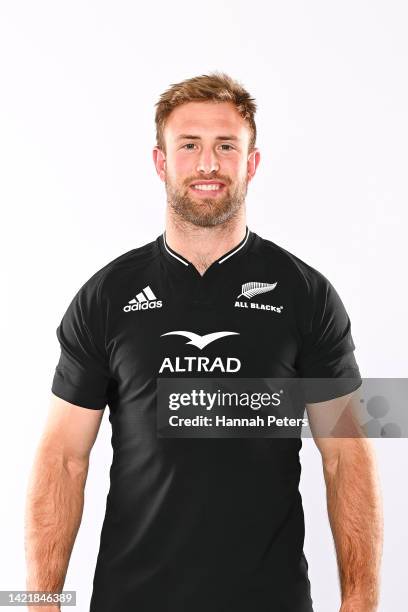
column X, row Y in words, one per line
column 143, row 306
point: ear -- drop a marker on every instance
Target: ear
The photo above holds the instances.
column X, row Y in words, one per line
column 254, row 158
column 159, row 161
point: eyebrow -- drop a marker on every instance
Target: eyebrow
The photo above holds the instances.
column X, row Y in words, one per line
column 193, row 137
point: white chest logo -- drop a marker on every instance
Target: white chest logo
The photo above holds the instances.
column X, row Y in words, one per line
column 144, row 300
column 253, row 288
column 249, row 290
column 201, row 341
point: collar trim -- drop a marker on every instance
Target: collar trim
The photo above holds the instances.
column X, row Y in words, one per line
column 171, row 252
column 237, row 249
column 220, row 261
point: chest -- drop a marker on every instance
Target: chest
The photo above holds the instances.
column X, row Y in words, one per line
column 232, row 325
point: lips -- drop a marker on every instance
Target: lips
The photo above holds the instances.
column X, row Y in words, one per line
column 207, row 183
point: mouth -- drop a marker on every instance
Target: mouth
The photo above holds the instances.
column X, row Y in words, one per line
column 207, row 188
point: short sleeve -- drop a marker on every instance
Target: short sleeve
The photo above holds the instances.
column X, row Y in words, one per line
column 82, row 373
column 327, row 350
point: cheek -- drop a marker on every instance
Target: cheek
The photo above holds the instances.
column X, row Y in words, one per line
column 182, row 166
column 235, row 167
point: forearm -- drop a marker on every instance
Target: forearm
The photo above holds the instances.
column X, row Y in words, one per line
column 355, row 514
column 53, row 514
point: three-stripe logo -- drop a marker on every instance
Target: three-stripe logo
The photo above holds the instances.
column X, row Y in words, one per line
column 144, row 300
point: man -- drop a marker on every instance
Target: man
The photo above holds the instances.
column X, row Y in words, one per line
column 199, row 523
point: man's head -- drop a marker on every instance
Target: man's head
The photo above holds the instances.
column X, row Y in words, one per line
column 205, row 150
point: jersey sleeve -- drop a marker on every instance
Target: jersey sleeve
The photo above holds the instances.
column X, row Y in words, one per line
column 82, row 374
column 327, row 350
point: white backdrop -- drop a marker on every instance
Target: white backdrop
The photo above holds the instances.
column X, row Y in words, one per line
column 78, row 83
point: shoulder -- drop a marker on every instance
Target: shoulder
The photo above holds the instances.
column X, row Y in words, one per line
column 299, row 273
column 115, row 272
column 314, row 297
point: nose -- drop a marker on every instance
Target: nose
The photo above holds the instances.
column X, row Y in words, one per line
column 207, row 162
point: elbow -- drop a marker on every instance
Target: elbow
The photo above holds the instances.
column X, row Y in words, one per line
column 54, row 456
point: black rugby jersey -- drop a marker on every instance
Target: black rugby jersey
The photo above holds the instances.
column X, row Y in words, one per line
column 198, row 524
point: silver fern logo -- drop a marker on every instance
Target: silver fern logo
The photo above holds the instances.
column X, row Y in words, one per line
column 254, row 288
column 249, row 290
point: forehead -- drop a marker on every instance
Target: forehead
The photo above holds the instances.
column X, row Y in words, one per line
column 206, row 118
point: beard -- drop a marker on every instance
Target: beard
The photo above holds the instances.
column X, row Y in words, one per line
column 206, row 212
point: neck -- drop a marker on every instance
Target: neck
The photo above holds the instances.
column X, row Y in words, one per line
column 203, row 245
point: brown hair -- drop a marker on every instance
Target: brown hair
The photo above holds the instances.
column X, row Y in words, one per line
column 214, row 87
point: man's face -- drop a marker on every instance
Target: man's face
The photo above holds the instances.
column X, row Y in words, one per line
column 206, row 166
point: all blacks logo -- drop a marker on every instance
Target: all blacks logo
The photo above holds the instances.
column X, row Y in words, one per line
column 143, row 305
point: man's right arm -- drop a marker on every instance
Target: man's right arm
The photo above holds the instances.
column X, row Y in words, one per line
column 55, row 495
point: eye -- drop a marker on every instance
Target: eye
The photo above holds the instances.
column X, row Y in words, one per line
column 227, row 145
column 189, row 144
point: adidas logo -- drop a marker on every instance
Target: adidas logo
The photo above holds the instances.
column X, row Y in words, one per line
column 143, row 301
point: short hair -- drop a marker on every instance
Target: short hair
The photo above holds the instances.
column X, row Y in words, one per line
column 213, row 87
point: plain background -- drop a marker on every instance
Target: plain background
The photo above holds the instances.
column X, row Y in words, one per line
column 79, row 81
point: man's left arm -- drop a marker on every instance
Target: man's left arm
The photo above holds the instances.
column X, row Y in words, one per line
column 353, row 502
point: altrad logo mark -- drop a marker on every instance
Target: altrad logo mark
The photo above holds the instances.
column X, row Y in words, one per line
column 196, row 363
